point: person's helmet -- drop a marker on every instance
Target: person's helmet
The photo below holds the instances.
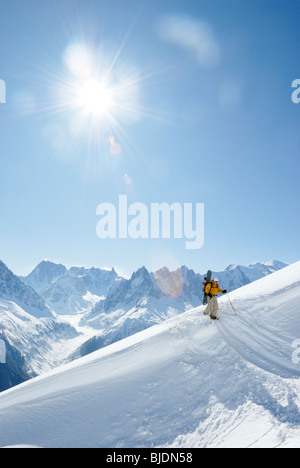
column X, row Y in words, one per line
column 216, row 280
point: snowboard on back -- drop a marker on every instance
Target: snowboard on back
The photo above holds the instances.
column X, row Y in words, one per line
column 207, row 280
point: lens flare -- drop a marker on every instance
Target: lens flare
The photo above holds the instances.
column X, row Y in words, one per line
column 169, row 276
column 114, row 148
column 127, row 179
column 170, row 282
column 193, row 35
column 79, row 60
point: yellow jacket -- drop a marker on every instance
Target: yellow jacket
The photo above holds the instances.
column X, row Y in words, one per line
column 213, row 288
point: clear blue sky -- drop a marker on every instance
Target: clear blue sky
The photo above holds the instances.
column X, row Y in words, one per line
column 203, row 113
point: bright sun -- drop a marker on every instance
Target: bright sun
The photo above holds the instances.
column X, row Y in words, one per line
column 95, row 98
column 101, row 95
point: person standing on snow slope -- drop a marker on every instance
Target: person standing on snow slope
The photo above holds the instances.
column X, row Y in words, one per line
column 212, row 289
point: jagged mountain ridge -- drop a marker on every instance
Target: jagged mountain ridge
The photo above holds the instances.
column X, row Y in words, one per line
column 13, row 289
column 147, row 299
column 79, row 289
column 182, row 287
column 70, row 291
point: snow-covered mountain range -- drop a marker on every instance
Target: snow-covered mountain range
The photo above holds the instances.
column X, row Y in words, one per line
column 186, row 382
column 70, row 291
column 93, row 291
column 147, row 299
column 55, row 314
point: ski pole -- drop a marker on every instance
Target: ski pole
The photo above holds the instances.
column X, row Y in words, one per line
column 231, row 304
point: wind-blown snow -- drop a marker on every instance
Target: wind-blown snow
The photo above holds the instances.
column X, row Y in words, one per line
column 187, row 382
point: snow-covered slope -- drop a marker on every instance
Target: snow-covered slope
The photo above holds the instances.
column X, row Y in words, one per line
column 187, row 382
